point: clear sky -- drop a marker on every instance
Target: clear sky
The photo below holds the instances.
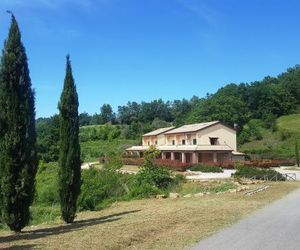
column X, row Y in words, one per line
column 140, row 50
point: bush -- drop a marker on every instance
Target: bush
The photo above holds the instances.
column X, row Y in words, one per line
column 151, row 179
column 206, row 168
column 155, row 176
column 258, row 173
column 144, row 190
column 100, row 185
column 113, row 161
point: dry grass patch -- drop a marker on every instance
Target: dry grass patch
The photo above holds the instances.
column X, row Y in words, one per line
column 148, row 224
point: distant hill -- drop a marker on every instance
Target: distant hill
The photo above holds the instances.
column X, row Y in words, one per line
column 278, row 144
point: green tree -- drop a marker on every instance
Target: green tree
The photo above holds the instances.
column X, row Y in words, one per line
column 47, row 130
column 180, row 110
column 107, row 114
column 18, row 158
column 84, row 119
column 69, row 158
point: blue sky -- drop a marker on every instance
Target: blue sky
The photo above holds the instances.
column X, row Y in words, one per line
column 140, row 50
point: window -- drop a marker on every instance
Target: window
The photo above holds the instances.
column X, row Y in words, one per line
column 148, row 143
column 155, row 142
column 214, row 140
column 194, row 141
column 183, row 142
column 173, row 142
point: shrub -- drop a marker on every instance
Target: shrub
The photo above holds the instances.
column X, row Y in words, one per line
column 144, row 190
column 206, row 168
column 151, row 179
column 258, row 173
column 113, row 161
column 155, row 176
column 100, row 185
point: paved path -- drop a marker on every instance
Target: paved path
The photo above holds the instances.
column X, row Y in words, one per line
column 275, row 227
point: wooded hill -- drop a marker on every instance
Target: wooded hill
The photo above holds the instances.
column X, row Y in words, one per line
column 254, row 107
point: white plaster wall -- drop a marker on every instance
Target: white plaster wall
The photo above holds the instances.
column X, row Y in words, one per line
column 145, row 140
column 226, row 136
column 161, row 140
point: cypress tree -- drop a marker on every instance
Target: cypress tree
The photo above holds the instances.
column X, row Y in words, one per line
column 18, row 158
column 69, row 159
column 297, row 153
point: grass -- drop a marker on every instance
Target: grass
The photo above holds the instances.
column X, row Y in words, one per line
column 203, row 187
column 147, row 224
column 289, row 122
column 279, row 144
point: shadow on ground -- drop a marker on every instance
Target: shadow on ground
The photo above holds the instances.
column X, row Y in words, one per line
column 45, row 232
column 21, row 247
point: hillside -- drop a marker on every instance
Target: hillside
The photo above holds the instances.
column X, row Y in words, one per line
column 101, row 140
column 254, row 107
column 275, row 144
column 290, row 123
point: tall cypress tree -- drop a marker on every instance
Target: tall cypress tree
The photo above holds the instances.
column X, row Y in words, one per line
column 69, row 159
column 18, row 158
column 297, row 156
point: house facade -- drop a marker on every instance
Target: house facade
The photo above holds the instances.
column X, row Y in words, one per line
column 195, row 143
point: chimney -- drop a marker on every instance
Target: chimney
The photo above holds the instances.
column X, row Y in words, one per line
column 235, row 126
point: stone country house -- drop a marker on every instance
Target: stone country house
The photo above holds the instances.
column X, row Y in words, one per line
column 195, row 143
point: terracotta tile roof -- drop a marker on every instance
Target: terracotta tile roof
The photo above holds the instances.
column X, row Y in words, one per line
column 191, row 127
column 158, row 131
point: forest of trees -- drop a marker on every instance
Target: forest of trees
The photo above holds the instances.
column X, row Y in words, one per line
column 234, row 103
